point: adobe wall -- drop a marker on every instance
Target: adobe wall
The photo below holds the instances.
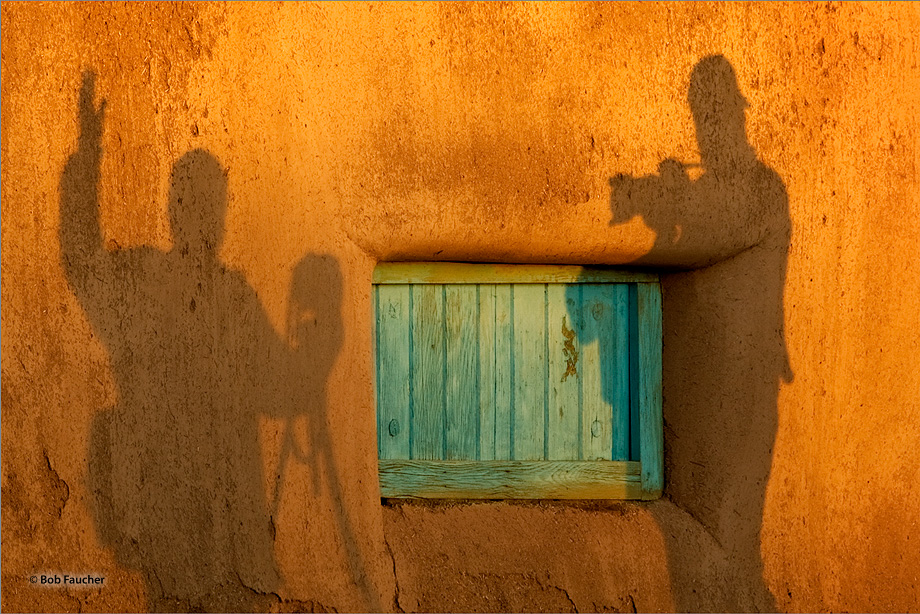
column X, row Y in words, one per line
column 192, row 415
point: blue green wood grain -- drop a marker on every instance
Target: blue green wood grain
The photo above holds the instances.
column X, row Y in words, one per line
column 650, row 418
column 520, row 372
column 510, row 479
column 529, row 368
column 634, row 440
column 504, row 356
column 564, row 357
column 393, row 371
column 487, row 372
column 617, row 370
column 597, row 329
column 428, row 378
column 462, row 373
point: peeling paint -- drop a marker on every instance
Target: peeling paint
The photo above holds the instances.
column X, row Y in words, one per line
column 569, row 351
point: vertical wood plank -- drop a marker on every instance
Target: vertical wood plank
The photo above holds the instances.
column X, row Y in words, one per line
column 428, row 377
column 462, row 386
column 564, row 373
column 634, row 440
column 529, row 368
column 617, row 371
column 487, row 372
column 650, row 419
column 393, row 420
column 504, row 356
column 597, row 332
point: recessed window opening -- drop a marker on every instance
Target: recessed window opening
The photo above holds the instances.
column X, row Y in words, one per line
column 517, row 382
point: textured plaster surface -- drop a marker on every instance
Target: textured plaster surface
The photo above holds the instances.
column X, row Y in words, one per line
column 187, row 398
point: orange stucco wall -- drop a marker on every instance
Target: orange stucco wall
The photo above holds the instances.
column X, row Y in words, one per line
column 187, row 395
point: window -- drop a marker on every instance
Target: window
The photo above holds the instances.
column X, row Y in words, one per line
column 518, row 382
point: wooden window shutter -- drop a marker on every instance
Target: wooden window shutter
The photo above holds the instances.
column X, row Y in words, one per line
column 518, row 382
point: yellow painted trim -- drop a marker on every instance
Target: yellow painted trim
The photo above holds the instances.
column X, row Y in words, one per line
column 465, row 273
column 542, row 479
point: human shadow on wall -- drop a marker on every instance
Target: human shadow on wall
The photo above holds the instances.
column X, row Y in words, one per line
column 724, row 346
column 176, row 473
column 314, row 321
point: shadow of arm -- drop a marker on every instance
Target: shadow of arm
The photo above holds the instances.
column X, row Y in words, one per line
column 82, row 250
column 698, row 223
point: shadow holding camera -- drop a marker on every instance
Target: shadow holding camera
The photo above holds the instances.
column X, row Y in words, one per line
column 316, row 337
column 723, row 333
column 178, row 484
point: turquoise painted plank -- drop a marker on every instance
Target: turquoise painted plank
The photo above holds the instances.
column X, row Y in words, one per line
column 563, row 399
column 650, row 419
column 597, row 332
column 529, row 368
column 462, row 393
column 503, row 370
column 487, row 372
column 617, row 370
column 393, row 371
column 466, row 273
column 510, row 479
column 428, row 360
column 634, row 441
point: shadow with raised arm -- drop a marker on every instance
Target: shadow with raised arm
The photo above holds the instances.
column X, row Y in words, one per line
column 175, row 471
column 724, row 353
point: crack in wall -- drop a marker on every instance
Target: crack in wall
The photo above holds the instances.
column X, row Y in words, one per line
column 627, row 604
column 60, row 491
column 567, row 596
column 396, row 606
column 232, row 596
column 274, row 602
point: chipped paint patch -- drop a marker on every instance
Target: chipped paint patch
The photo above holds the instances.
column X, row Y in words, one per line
column 568, row 349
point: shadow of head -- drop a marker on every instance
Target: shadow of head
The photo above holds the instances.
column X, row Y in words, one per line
column 718, row 107
column 668, row 199
column 197, row 202
column 315, row 307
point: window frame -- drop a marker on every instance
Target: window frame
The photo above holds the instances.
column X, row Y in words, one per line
column 538, row 479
